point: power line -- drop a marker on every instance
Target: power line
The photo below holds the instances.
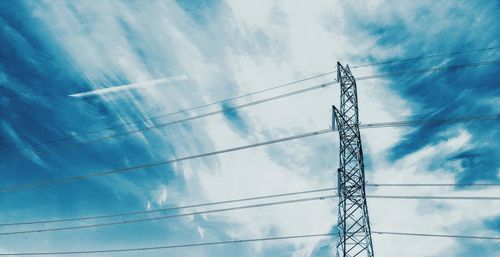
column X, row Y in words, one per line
column 431, row 185
column 171, row 208
column 429, row 197
column 269, row 99
column 238, row 241
column 169, row 216
column 436, row 235
column 174, row 246
column 418, row 71
column 429, row 121
column 296, row 92
column 166, row 114
column 130, row 221
column 425, row 57
column 234, row 201
column 234, row 98
column 299, row 200
column 161, row 125
column 165, row 162
column 155, row 164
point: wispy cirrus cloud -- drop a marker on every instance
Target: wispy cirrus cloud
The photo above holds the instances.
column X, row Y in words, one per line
column 230, row 48
column 137, row 85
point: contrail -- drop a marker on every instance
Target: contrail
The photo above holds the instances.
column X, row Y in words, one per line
column 142, row 84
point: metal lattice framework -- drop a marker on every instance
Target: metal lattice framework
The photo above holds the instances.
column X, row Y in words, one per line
column 353, row 223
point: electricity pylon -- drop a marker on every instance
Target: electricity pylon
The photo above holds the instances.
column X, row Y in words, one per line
column 353, row 226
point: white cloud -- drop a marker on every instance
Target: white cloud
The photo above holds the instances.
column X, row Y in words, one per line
column 306, row 48
column 160, row 195
column 25, row 148
column 247, row 46
column 136, row 85
column 431, row 216
column 201, row 231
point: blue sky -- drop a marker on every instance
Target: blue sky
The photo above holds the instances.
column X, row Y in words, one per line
column 52, row 49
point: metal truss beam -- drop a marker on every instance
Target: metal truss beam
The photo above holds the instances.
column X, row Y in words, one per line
column 353, row 226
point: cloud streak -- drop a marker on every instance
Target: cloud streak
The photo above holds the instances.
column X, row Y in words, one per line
column 137, row 85
column 226, row 48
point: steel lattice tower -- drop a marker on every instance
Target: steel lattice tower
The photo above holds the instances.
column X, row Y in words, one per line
column 353, row 223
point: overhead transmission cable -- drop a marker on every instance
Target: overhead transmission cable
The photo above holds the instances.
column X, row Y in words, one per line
column 130, row 213
column 431, row 197
column 166, row 114
column 238, row 97
column 241, row 207
column 431, row 184
column 296, row 92
column 172, row 208
column 227, row 150
column 149, row 127
column 248, row 240
column 436, row 235
column 129, row 221
column 425, row 57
